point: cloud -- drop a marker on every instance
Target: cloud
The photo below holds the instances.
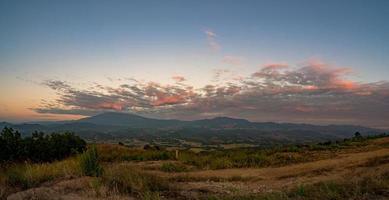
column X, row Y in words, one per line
column 138, row 96
column 275, row 66
column 179, row 78
column 311, row 76
column 60, row 111
column 56, row 85
column 312, row 93
column 211, row 39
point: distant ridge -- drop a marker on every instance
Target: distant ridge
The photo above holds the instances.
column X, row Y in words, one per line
column 115, row 124
column 116, row 119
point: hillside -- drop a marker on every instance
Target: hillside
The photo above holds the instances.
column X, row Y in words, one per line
column 112, row 126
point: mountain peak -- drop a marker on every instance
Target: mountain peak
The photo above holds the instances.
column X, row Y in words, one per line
column 228, row 119
column 113, row 118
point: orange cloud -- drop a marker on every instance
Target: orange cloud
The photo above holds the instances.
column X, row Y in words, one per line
column 168, row 100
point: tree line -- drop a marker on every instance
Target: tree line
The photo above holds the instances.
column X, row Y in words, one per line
column 38, row 147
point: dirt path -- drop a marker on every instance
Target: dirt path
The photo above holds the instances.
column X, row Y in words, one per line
column 274, row 178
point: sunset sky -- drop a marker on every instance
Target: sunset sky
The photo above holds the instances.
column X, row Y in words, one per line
column 319, row 62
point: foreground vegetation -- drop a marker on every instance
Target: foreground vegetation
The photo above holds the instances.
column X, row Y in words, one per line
column 238, row 157
column 372, row 187
column 155, row 173
column 38, row 147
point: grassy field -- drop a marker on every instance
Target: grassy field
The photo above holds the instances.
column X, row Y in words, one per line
column 357, row 168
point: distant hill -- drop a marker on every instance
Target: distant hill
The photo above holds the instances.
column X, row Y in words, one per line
column 5, row 124
column 112, row 125
column 128, row 120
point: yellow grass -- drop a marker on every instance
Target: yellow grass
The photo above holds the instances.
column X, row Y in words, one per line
column 31, row 175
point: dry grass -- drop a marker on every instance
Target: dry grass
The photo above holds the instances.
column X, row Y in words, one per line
column 31, row 175
column 363, row 188
column 376, row 161
column 117, row 153
column 295, row 174
column 173, row 167
column 312, row 173
column 134, row 181
column 188, row 178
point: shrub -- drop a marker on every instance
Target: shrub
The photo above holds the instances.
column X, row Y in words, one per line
column 173, row 167
column 109, row 153
column 221, row 163
column 89, row 163
column 39, row 147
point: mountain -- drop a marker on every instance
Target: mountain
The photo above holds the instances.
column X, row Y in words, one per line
column 221, row 122
column 24, row 128
column 118, row 126
column 128, row 120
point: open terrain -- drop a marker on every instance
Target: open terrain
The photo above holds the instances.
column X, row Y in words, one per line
column 354, row 169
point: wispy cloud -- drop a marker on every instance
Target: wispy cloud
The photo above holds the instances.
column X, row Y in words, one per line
column 314, row 92
column 178, row 78
column 211, row 39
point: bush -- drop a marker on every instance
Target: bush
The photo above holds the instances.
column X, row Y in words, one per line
column 89, row 163
column 11, row 145
column 173, row 167
column 221, row 163
column 39, row 147
column 110, row 153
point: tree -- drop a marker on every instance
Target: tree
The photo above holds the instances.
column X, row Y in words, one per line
column 12, row 147
column 357, row 135
column 39, row 147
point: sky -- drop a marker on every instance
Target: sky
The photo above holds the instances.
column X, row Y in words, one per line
column 319, row 62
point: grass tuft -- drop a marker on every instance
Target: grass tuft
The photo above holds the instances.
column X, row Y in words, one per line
column 89, row 163
column 31, row 175
column 133, row 181
column 173, row 167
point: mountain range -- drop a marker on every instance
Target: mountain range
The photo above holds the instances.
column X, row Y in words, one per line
column 119, row 126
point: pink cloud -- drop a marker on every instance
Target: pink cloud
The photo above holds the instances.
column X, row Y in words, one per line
column 275, row 66
column 168, row 100
column 276, row 91
column 178, row 78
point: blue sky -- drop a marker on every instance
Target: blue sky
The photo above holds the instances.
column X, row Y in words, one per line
column 82, row 42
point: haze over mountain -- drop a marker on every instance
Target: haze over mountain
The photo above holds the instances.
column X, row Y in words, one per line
column 116, row 126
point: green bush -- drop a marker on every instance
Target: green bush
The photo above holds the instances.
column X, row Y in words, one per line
column 173, row 167
column 38, row 147
column 89, row 163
